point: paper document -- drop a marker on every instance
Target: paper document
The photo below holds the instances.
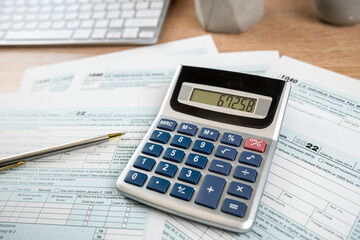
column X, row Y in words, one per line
column 313, row 188
column 58, row 77
column 144, row 73
column 73, row 195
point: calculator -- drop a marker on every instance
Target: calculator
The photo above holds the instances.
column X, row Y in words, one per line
column 207, row 155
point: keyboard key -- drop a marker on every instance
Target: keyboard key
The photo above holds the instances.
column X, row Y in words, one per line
column 220, row 167
column 144, row 163
column 173, row 154
column 189, row 175
column 160, row 136
column 182, row 191
column 255, row 145
column 210, row 191
column 240, row 190
column 246, row 174
column 158, row 184
column 209, row 134
column 146, row 34
column 166, row 169
column 135, row 178
column 196, row 160
column 167, row 124
column 203, row 147
column 82, row 34
column 233, row 207
column 152, row 149
column 188, row 129
column 130, row 32
column 249, row 158
column 231, row 139
column 141, row 22
column 181, row 141
column 38, row 35
column 226, row 152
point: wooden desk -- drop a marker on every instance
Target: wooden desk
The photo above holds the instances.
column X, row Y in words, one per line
column 289, row 26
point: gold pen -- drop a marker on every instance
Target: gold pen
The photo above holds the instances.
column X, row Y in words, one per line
column 19, row 159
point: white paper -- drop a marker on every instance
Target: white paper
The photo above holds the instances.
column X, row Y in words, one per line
column 58, row 77
column 158, row 73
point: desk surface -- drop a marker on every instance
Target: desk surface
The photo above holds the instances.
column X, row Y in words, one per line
column 289, row 26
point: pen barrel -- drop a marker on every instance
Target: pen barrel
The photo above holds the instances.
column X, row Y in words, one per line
column 44, row 152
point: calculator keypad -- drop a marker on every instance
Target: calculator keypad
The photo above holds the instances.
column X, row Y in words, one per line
column 217, row 172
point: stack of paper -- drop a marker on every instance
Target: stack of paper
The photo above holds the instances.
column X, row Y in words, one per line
column 313, row 189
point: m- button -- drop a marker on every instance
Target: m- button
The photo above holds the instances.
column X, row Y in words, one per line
column 188, row 129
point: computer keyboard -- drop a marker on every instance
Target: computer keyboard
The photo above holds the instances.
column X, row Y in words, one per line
column 52, row 22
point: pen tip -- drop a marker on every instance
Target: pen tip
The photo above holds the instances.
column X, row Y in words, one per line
column 115, row 135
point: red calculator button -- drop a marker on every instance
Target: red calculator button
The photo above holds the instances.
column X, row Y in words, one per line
column 255, row 144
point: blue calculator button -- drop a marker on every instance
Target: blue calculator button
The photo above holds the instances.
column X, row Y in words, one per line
column 220, row 167
column 144, row 163
column 233, row 207
column 167, row 124
column 166, row 169
column 209, row 134
column 181, row 141
column 246, row 174
column 182, row 191
column 135, row 178
column 240, row 190
column 203, row 147
column 160, row 136
column 189, row 175
column 210, row 191
column 226, row 152
column 158, row 184
column 188, row 129
column 196, row 160
column 152, row 149
column 174, row 155
column 249, row 158
column 231, row 139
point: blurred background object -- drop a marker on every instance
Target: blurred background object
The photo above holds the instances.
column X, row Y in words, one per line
column 229, row 16
column 338, row 12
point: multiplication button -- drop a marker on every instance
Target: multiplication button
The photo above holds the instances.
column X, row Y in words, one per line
column 240, row 190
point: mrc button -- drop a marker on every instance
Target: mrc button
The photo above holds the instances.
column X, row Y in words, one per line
column 167, row 124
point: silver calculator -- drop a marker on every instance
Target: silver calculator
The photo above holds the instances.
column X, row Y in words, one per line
column 207, row 155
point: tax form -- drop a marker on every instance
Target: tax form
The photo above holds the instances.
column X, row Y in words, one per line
column 73, row 195
column 58, row 77
column 313, row 188
column 158, row 73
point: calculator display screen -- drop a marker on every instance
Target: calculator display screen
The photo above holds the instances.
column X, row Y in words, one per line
column 224, row 100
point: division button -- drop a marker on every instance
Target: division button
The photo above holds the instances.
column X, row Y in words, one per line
column 188, row 129
column 158, row 184
column 255, row 145
column 246, row 174
column 220, row 167
column 231, row 139
column 233, row 207
column 210, row 191
column 144, row 163
column 135, row 178
column 250, row 158
column 209, row 134
column 182, row 191
column 226, row 152
column 167, row 124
